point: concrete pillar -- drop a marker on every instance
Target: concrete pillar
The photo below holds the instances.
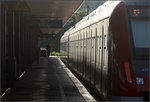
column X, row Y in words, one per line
column 10, row 46
column 3, row 46
column 0, row 42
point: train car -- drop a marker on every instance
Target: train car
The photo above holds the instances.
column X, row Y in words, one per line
column 109, row 48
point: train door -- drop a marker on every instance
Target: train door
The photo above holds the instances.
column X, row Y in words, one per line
column 105, row 57
column 98, row 55
column 85, row 53
column 85, row 50
column 68, row 47
column 80, row 49
column 75, row 51
column 82, row 45
column 101, row 58
column 100, row 30
column 82, row 56
column 88, row 54
column 93, row 55
column 71, row 48
column 95, row 52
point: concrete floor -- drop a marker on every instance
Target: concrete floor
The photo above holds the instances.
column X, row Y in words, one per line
column 49, row 80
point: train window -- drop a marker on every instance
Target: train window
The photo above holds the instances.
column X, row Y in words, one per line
column 141, row 33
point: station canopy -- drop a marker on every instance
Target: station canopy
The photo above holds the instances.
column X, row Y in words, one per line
column 51, row 15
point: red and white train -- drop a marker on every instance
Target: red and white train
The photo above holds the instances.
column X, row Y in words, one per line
column 110, row 49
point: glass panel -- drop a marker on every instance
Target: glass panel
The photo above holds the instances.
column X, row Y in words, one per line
column 141, row 33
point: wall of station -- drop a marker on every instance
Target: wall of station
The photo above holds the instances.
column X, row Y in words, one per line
column 18, row 43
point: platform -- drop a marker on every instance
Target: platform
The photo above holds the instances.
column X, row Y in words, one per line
column 50, row 80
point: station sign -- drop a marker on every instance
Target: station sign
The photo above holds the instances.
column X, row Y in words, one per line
column 50, row 23
column 47, row 35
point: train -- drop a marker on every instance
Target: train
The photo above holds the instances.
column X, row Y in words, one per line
column 109, row 48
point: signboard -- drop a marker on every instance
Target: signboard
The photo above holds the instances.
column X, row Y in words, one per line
column 139, row 12
column 50, row 23
column 47, row 35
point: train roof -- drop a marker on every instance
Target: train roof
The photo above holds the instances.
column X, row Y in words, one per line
column 104, row 10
